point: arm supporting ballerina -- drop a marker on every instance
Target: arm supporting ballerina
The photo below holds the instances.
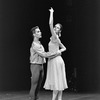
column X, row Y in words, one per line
column 45, row 54
column 53, row 55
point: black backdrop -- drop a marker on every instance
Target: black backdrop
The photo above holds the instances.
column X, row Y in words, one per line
column 80, row 20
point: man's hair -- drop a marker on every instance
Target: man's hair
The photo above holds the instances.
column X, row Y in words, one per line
column 33, row 29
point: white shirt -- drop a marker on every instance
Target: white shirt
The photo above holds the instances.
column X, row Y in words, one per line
column 36, row 51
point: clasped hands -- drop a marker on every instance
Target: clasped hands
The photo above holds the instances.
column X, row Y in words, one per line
column 53, row 55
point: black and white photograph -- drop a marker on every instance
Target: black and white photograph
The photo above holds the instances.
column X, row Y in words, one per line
column 49, row 50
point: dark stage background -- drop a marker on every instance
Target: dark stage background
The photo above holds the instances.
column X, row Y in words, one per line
column 80, row 20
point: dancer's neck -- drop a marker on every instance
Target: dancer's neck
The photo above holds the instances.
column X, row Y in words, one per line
column 36, row 40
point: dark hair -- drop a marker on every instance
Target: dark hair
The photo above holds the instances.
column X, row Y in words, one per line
column 33, row 29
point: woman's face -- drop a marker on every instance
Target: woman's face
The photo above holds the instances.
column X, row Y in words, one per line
column 57, row 28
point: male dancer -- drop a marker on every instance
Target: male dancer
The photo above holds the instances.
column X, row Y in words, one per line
column 37, row 58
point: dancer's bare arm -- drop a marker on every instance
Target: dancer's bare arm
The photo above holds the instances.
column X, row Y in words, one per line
column 51, row 20
column 53, row 55
column 63, row 48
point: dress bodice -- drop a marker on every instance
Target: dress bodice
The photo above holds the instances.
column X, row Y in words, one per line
column 53, row 46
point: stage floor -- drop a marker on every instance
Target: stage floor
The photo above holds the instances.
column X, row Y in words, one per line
column 46, row 95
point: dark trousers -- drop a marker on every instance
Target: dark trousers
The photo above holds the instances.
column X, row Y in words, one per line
column 36, row 79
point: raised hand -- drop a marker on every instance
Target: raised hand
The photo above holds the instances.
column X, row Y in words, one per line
column 51, row 9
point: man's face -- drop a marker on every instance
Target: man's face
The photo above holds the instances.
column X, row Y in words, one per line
column 38, row 33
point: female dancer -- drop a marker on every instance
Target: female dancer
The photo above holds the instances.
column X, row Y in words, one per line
column 56, row 76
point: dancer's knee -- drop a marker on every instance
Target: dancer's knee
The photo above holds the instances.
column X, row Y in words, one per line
column 55, row 91
column 34, row 80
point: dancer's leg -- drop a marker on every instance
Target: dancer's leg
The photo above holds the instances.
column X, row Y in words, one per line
column 60, row 95
column 54, row 95
column 39, row 83
column 34, row 79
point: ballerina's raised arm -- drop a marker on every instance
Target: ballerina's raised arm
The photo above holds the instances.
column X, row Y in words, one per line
column 51, row 20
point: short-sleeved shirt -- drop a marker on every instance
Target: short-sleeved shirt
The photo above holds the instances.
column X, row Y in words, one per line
column 35, row 58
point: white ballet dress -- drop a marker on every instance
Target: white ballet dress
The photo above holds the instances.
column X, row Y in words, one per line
column 56, row 75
